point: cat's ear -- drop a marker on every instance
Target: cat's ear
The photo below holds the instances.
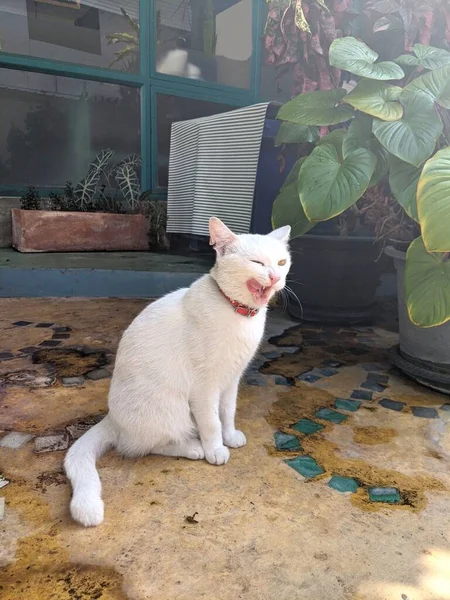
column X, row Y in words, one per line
column 282, row 233
column 220, row 235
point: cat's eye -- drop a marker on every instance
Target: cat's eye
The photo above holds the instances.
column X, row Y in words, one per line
column 258, row 262
column 281, row 263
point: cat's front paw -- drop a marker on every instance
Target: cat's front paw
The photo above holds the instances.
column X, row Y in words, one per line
column 218, row 456
column 234, row 438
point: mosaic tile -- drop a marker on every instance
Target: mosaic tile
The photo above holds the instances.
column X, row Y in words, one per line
column 22, row 323
column 280, row 380
column 343, row 484
column 6, row 355
column 344, row 404
column 44, row 325
column 425, row 412
column 306, row 466
column 50, row 343
column 15, row 439
column 445, row 406
column 327, row 372
column 61, row 336
column 273, row 354
column 378, row 377
column 51, row 443
column 256, row 379
column 334, row 364
column 309, row 377
column 380, row 494
column 392, row 404
column 372, row 367
column 97, row 374
column 29, row 350
column 72, row 381
column 361, row 395
column 330, row 415
column 307, row 426
column 61, row 329
column 373, row 385
column 285, row 441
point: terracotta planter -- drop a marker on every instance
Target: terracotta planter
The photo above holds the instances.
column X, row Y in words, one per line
column 48, row 231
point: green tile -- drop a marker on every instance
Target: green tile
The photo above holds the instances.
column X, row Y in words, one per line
column 285, row 441
column 307, row 426
column 306, row 466
column 330, row 415
column 379, row 494
column 343, row 404
column 343, row 484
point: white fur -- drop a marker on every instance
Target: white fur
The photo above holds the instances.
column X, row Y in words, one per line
column 178, row 366
column 175, row 62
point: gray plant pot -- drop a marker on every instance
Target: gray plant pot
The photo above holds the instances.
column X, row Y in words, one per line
column 423, row 353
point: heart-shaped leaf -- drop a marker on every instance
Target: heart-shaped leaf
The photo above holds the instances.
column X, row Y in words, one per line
column 292, row 133
column 287, row 208
column 376, row 98
column 316, row 108
column 434, row 85
column 359, row 135
column 349, row 54
column 403, row 180
column 408, row 60
column 433, row 202
column 427, row 286
column 334, row 138
column 328, row 184
column 431, row 58
column 413, row 138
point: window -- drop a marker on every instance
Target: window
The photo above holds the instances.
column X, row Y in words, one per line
column 52, row 127
column 205, row 39
column 174, row 108
column 73, row 31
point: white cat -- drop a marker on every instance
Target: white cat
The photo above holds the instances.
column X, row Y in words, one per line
column 175, row 62
column 178, row 366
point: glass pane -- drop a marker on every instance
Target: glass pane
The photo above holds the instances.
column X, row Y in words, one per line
column 173, row 108
column 76, row 31
column 52, row 127
column 205, row 39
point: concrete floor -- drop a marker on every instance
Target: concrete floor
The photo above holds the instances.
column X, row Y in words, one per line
column 261, row 530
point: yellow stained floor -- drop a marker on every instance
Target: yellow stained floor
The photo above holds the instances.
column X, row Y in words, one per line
column 261, row 531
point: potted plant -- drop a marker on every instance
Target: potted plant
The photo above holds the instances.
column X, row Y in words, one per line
column 87, row 216
column 394, row 134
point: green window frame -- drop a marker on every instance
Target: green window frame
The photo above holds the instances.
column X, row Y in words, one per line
column 150, row 83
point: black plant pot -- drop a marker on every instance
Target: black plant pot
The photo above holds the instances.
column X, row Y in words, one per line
column 335, row 278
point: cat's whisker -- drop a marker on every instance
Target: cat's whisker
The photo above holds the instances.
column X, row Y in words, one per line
column 294, row 295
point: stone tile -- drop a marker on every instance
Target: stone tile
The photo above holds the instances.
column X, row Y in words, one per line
column 425, row 412
column 44, row 325
column 378, row 377
column 445, row 406
column 330, row 415
column 306, row 466
column 50, row 343
column 344, row 404
column 29, row 350
column 309, row 377
column 392, row 404
column 6, row 355
column 285, row 441
column 51, row 443
column 334, row 364
column 61, row 329
column 373, row 386
column 256, row 379
column 280, row 380
column 307, row 426
column 22, row 323
column 15, row 439
column 271, row 355
column 361, row 395
column 60, row 336
column 372, row 367
column 76, row 430
column 343, row 484
column 381, row 494
column 72, row 381
column 327, row 372
column 98, row 374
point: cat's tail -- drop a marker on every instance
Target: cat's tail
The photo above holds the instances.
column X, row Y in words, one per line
column 86, row 506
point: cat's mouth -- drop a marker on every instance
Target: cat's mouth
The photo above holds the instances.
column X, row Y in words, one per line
column 260, row 293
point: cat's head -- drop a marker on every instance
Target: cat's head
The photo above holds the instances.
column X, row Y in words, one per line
column 250, row 268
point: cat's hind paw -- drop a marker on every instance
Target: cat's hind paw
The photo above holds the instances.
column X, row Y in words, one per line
column 234, row 439
column 219, row 456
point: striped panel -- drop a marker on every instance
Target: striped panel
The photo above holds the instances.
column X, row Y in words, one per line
column 212, row 170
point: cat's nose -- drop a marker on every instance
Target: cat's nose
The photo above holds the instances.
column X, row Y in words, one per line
column 274, row 277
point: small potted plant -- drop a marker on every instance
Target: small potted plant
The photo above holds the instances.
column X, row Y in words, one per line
column 396, row 136
column 87, row 216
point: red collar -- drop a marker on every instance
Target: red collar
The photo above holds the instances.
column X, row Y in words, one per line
column 240, row 309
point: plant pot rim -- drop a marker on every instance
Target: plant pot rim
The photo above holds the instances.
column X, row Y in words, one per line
column 77, row 212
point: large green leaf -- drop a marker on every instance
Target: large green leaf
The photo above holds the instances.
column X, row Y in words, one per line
column 408, row 60
column 334, row 138
column 328, row 184
column 427, row 286
column 349, row 54
column 292, row 133
column 403, row 180
column 316, row 108
column 431, row 58
column 376, row 98
column 433, row 202
column 359, row 135
column 287, row 208
column 413, row 138
column 435, row 86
